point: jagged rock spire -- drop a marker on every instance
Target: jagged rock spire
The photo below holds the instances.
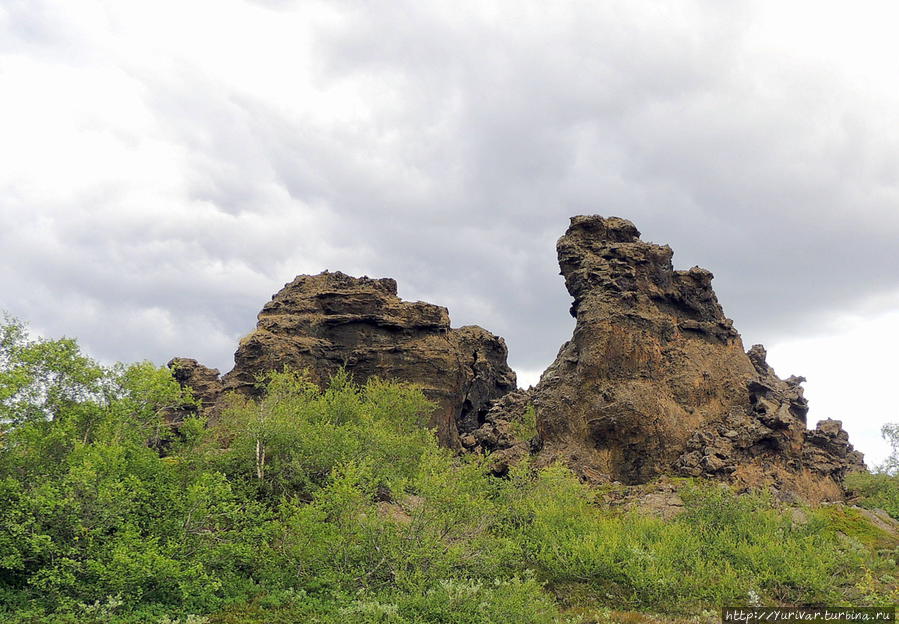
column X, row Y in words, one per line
column 655, row 381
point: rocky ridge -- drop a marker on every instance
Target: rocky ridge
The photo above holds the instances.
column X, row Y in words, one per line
column 654, row 381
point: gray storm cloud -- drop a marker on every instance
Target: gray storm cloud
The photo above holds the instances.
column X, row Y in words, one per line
column 164, row 173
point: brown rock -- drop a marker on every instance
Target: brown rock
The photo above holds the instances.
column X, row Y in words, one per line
column 205, row 385
column 655, row 380
column 651, row 360
column 320, row 323
column 827, row 450
column 506, row 432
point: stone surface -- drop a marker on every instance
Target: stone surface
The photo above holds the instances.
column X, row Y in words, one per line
column 655, row 381
column 507, row 432
column 205, row 385
column 320, row 323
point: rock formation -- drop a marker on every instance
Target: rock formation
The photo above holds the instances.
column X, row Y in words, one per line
column 204, row 383
column 321, row 323
column 655, row 381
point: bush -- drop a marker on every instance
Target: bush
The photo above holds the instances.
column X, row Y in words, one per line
column 289, row 442
column 876, row 491
column 724, row 549
column 478, row 602
column 337, row 505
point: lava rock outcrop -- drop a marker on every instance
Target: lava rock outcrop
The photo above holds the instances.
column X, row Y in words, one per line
column 205, row 385
column 321, row 323
column 655, row 381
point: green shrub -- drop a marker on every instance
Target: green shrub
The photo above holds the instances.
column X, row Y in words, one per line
column 289, row 442
column 478, row 602
column 337, row 505
column 876, row 490
column 724, row 549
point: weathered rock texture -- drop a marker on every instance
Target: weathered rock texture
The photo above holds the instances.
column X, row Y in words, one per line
column 655, row 381
column 323, row 322
column 205, row 384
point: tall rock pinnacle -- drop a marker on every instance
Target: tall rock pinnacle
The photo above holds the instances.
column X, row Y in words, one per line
column 655, row 380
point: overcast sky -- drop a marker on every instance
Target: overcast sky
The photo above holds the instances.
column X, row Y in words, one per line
column 166, row 166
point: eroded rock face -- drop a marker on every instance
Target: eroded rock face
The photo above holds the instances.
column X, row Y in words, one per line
column 652, row 358
column 655, row 380
column 205, row 384
column 506, row 432
column 323, row 322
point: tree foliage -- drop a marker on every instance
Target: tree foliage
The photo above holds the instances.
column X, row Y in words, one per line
column 890, row 432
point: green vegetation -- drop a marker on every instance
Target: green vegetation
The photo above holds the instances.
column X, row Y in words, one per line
column 338, row 506
column 890, row 432
column 525, row 428
column 877, row 491
column 880, row 489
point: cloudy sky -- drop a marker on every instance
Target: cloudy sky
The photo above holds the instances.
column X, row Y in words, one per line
column 166, row 166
